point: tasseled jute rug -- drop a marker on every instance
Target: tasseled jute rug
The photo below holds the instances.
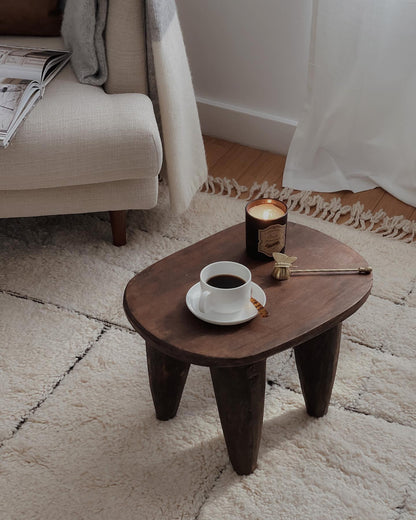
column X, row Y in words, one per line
column 78, row 435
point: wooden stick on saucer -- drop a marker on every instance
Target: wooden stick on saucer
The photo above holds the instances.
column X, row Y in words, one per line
column 260, row 309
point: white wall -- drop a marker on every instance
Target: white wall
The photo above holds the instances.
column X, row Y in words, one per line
column 248, row 60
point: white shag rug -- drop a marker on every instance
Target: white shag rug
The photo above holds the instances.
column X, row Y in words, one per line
column 78, row 435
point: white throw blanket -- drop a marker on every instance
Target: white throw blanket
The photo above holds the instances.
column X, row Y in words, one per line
column 170, row 85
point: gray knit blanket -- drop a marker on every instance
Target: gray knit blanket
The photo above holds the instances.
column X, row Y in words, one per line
column 83, row 28
column 169, row 80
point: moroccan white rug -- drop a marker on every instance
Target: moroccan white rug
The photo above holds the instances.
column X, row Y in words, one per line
column 78, row 435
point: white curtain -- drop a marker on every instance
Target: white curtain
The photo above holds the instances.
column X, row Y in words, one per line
column 358, row 127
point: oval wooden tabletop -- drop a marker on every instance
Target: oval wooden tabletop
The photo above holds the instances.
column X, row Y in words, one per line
column 299, row 308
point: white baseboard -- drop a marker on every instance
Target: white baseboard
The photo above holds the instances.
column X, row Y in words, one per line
column 244, row 126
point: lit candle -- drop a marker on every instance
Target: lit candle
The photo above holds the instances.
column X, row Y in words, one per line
column 265, row 228
column 266, row 211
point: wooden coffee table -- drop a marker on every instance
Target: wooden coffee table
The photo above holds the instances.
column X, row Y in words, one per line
column 306, row 313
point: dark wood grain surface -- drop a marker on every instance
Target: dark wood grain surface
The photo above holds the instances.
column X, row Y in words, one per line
column 299, row 308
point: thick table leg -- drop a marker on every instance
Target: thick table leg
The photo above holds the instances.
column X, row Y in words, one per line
column 167, row 377
column 240, row 399
column 316, row 361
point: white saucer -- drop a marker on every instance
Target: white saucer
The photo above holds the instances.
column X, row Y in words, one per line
column 248, row 313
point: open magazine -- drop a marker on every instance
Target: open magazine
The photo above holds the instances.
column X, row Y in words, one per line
column 24, row 74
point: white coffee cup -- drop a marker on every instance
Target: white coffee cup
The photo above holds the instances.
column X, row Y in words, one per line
column 225, row 287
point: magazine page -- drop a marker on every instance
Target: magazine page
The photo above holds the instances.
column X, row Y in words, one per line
column 11, row 94
column 24, row 63
column 55, row 63
column 17, row 98
column 24, row 73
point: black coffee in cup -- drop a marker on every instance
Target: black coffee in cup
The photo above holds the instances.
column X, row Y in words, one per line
column 225, row 281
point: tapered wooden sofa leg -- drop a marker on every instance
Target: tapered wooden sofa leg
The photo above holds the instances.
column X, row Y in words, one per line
column 118, row 227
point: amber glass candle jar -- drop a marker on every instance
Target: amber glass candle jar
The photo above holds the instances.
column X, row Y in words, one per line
column 266, row 221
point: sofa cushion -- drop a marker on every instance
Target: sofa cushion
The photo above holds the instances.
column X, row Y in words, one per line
column 105, row 196
column 23, row 17
column 78, row 134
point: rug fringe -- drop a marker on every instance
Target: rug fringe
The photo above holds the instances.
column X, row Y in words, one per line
column 397, row 227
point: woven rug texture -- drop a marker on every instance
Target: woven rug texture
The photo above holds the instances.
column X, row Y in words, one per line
column 78, row 434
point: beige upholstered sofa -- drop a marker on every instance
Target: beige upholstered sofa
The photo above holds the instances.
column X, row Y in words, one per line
column 84, row 148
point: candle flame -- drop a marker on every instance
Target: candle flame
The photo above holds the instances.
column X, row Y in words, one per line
column 267, row 214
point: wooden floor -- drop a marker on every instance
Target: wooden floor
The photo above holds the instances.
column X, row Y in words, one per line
column 249, row 165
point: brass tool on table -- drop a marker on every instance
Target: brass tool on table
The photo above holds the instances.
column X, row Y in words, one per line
column 283, row 269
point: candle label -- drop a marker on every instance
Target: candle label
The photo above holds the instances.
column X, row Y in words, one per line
column 272, row 239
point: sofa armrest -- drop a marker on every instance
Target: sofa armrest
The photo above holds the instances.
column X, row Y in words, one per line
column 126, row 47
